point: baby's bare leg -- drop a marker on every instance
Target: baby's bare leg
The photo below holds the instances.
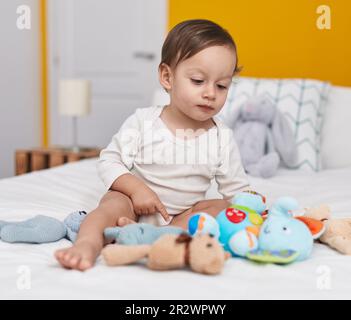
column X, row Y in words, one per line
column 212, row 207
column 90, row 240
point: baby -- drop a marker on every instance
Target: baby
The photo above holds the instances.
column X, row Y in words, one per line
column 160, row 164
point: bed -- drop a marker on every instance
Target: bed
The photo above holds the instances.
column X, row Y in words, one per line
column 30, row 271
column 58, row 191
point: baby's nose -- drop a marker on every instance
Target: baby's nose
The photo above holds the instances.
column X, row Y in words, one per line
column 210, row 92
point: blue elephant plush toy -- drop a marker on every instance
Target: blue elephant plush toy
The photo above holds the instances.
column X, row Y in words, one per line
column 281, row 231
column 282, row 238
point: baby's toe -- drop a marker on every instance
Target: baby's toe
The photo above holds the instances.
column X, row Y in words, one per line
column 67, row 256
column 74, row 261
column 84, row 264
column 70, row 259
column 59, row 253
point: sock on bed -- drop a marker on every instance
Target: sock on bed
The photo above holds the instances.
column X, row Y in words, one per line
column 139, row 233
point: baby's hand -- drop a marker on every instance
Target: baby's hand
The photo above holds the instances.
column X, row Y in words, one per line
column 146, row 201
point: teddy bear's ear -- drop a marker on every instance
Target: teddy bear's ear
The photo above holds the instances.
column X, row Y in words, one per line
column 316, row 227
column 183, row 238
column 320, row 213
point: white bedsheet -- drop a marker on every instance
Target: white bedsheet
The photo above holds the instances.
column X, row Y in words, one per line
column 58, row 191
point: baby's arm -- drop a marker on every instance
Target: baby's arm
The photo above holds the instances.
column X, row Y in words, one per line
column 118, row 157
column 145, row 201
column 114, row 168
column 127, row 184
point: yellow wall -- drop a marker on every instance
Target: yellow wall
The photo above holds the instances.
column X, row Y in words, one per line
column 279, row 38
column 44, row 73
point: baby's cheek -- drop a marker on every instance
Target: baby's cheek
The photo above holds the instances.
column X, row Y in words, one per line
column 187, row 97
column 221, row 99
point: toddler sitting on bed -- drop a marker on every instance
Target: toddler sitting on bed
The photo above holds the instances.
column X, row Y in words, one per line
column 160, row 164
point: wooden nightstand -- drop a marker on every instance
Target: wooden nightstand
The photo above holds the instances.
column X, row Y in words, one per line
column 28, row 160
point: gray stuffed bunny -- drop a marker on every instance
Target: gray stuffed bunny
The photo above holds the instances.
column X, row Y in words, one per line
column 264, row 137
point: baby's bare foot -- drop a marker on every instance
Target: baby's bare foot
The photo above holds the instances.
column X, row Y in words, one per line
column 123, row 221
column 81, row 256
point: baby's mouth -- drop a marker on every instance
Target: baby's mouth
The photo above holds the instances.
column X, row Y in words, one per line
column 205, row 107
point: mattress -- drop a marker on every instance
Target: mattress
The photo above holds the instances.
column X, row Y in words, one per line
column 30, row 271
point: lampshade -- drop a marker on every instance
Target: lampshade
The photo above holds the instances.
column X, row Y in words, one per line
column 74, row 97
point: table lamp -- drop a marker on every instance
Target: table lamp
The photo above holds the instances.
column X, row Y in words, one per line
column 75, row 101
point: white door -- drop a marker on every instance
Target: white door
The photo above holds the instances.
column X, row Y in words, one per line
column 117, row 45
column 19, row 83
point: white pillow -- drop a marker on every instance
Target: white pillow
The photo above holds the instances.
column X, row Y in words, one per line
column 336, row 130
column 302, row 101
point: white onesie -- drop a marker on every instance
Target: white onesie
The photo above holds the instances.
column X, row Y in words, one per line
column 177, row 169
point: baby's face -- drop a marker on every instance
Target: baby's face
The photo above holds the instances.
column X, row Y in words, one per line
column 203, row 80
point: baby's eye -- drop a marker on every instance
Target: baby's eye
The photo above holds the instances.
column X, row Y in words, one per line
column 197, row 81
column 201, row 81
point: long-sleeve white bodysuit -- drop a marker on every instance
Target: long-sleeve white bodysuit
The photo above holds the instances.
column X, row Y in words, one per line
column 179, row 170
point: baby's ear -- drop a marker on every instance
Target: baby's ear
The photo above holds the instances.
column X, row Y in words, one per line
column 165, row 76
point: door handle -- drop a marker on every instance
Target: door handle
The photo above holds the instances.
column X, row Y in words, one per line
column 144, row 55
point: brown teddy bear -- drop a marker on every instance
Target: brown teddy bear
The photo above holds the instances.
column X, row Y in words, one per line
column 202, row 253
column 337, row 232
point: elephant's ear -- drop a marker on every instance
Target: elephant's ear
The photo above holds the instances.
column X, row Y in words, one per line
column 316, row 227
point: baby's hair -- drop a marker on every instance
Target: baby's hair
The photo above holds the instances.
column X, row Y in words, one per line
column 190, row 37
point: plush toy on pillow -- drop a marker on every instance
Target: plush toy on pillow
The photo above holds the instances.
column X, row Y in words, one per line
column 264, row 137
